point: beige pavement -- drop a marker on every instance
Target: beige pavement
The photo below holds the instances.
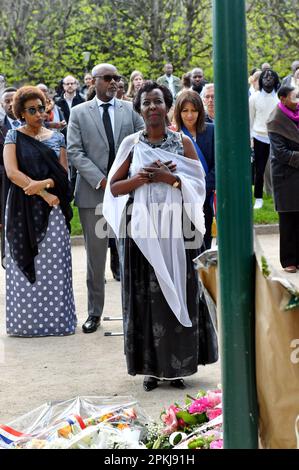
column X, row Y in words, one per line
column 37, row 370
column 270, row 246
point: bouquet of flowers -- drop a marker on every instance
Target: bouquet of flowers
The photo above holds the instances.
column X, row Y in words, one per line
column 196, row 425
column 79, row 423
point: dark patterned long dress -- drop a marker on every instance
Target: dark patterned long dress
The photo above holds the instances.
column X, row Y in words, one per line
column 156, row 344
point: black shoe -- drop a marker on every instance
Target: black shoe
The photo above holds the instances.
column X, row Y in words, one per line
column 150, row 383
column 178, row 383
column 91, row 324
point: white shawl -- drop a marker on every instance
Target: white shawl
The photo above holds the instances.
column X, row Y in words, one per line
column 156, row 222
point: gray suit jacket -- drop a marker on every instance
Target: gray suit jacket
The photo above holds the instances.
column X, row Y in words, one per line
column 88, row 148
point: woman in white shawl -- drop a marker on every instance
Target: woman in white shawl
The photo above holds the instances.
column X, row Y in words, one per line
column 153, row 202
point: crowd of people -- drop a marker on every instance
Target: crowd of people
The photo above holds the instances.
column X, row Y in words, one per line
column 274, row 122
column 139, row 162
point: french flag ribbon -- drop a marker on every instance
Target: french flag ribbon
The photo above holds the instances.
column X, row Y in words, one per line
column 76, row 418
column 215, row 204
column 10, row 435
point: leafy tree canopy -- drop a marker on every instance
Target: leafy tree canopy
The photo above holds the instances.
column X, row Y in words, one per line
column 44, row 40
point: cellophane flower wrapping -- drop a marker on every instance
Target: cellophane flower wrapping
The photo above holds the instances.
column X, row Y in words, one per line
column 78, row 423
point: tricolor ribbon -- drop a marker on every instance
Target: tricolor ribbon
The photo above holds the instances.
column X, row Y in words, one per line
column 76, row 418
column 10, row 435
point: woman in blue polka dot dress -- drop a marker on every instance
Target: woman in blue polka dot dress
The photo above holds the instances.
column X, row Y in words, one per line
column 39, row 292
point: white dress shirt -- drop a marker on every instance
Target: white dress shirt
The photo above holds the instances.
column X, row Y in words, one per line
column 69, row 100
column 110, row 110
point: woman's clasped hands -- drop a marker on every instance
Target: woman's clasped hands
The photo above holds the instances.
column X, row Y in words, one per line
column 159, row 172
column 35, row 187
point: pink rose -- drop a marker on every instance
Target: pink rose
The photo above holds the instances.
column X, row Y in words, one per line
column 214, row 399
column 217, row 444
column 199, row 406
column 212, row 414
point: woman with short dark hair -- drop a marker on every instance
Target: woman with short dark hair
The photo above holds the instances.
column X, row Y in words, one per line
column 39, row 294
column 156, row 176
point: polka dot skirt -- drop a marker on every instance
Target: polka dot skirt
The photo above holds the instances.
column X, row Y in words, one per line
column 45, row 308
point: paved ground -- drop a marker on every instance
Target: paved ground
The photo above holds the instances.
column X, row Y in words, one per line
column 270, row 245
column 36, row 370
column 33, row 371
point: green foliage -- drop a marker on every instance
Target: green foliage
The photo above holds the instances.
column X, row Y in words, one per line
column 266, row 215
column 44, row 40
column 75, row 223
column 278, row 43
column 265, row 268
column 191, row 419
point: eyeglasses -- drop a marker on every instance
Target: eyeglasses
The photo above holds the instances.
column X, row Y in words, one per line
column 109, row 78
column 32, row 111
column 70, row 83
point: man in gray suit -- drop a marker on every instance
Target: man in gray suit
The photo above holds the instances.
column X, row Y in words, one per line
column 95, row 131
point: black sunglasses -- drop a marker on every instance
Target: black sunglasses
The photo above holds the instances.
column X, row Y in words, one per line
column 32, row 111
column 109, row 78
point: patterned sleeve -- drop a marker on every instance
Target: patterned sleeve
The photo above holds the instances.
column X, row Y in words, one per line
column 61, row 140
column 11, row 136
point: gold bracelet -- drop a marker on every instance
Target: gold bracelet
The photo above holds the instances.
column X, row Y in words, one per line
column 177, row 183
column 42, row 192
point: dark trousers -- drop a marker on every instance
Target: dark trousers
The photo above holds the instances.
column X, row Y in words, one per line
column 261, row 153
column 289, row 238
column 208, row 212
column 114, row 260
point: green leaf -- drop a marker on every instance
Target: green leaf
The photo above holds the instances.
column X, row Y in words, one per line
column 191, row 419
column 197, row 443
column 265, row 268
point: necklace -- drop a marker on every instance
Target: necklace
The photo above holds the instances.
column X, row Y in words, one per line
column 37, row 136
column 155, row 144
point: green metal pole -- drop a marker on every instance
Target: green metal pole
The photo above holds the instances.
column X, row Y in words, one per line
column 234, row 225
